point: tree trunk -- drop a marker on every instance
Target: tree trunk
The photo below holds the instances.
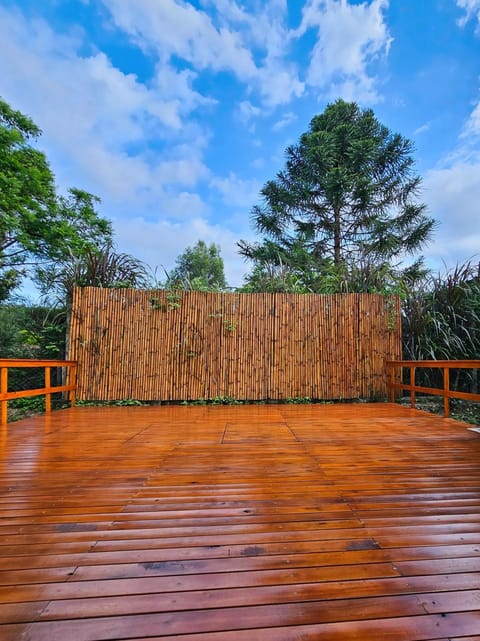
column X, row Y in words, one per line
column 337, row 244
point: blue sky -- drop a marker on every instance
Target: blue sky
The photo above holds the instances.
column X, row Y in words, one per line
column 176, row 112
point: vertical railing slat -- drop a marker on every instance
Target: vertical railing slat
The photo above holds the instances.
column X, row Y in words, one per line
column 446, row 391
column 392, row 382
column 48, row 396
column 72, row 380
column 4, row 390
column 412, row 390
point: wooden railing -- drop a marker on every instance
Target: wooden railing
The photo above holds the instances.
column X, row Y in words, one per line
column 446, row 392
column 9, row 363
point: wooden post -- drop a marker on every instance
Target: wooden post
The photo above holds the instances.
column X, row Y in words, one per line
column 4, row 390
column 391, row 382
column 446, row 390
column 73, row 381
column 412, row 387
column 48, row 397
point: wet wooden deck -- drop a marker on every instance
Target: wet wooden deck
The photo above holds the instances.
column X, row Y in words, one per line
column 250, row 523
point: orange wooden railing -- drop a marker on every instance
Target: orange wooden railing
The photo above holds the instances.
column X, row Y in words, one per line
column 47, row 391
column 395, row 381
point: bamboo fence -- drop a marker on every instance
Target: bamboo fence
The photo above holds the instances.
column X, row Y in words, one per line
column 172, row 346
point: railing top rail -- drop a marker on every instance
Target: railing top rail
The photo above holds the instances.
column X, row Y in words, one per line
column 47, row 390
column 448, row 364
column 33, row 362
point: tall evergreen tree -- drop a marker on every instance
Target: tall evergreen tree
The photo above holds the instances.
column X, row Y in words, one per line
column 348, row 194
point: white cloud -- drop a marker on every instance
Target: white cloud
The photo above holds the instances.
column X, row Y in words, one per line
column 350, row 37
column 284, row 121
column 423, row 128
column 228, row 9
column 247, row 112
column 279, row 84
column 178, row 98
column 252, row 46
column 452, row 192
column 258, row 163
column 174, row 28
column 159, row 242
column 98, row 120
column 88, row 91
column 472, row 126
column 182, row 205
column 263, row 30
column 276, row 80
column 236, row 192
column 472, row 12
column 453, row 195
column 184, row 171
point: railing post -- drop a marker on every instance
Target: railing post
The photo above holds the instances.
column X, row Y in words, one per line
column 73, row 381
column 391, row 382
column 48, row 397
column 4, row 390
column 446, row 390
column 412, row 385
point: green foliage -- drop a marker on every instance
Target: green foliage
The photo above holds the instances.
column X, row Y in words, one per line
column 465, row 411
column 172, row 301
column 224, row 400
column 441, row 320
column 230, row 325
column 345, row 207
column 199, row 268
column 126, row 402
column 36, row 226
column 460, row 410
column 13, row 321
column 79, row 226
column 274, row 278
column 93, row 267
column 215, row 400
column 441, row 315
column 27, row 195
column 363, row 277
column 298, row 400
column 156, row 304
column 19, row 408
column 31, row 332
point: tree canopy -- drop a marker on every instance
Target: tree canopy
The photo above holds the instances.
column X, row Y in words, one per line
column 36, row 225
column 199, row 267
column 348, row 196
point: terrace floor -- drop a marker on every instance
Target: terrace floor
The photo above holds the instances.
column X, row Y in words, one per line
column 247, row 523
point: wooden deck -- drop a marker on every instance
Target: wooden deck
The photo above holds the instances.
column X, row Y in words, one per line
column 249, row 523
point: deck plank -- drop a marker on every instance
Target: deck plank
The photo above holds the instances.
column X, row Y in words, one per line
column 240, row 523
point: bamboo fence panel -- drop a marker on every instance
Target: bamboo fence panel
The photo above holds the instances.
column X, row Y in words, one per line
column 171, row 346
